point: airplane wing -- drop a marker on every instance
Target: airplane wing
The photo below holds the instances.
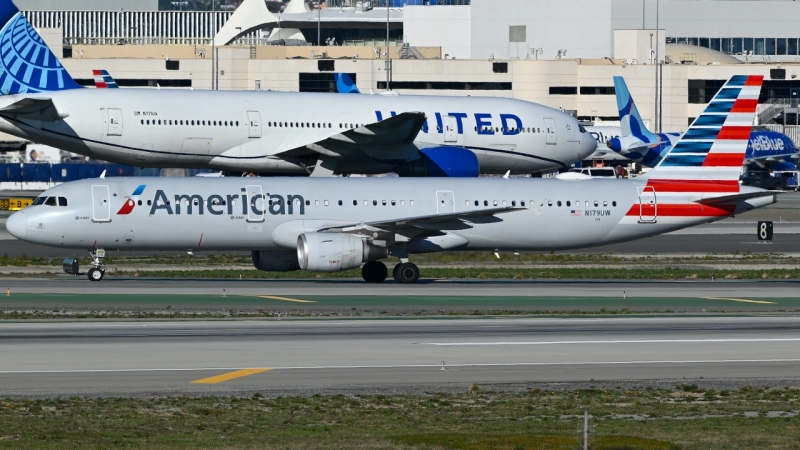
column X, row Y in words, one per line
column 34, row 109
column 412, row 227
column 399, row 129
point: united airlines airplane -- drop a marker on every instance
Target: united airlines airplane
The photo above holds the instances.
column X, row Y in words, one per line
column 333, row 224
column 321, row 134
column 635, row 142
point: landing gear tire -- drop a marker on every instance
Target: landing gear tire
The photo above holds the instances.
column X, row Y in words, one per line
column 374, row 272
column 406, row 273
column 96, row 274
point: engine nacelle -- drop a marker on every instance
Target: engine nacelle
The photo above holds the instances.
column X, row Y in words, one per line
column 453, row 162
column 275, row 260
column 625, row 144
column 332, row 252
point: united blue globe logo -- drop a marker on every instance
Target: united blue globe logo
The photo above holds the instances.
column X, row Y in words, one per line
column 28, row 66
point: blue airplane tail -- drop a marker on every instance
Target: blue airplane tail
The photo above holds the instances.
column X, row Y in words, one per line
column 631, row 121
column 26, row 64
column 345, row 84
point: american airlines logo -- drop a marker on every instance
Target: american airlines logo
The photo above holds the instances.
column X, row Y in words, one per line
column 244, row 204
column 130, row 203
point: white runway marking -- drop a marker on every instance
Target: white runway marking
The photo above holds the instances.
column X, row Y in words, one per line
column 642, row 341
column 410, row 366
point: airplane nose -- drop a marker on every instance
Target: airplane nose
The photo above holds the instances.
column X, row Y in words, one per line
column 17, row 225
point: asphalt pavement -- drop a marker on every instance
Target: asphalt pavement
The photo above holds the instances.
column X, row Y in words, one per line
column 308, row 356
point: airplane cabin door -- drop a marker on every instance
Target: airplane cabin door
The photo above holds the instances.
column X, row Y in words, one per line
column 648, row 207
column 450, row 130
column 101, row 204
column 550, row 129
column 254, row 119
column 257, row 206
column 445, row 202
column 114, row 122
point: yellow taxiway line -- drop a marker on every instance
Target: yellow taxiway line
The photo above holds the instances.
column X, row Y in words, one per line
column 284, row 299
column 741, row 300
column 230, row 376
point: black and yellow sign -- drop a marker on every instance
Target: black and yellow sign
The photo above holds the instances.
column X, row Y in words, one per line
column 16, row 204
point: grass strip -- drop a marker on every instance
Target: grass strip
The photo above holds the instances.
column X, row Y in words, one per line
column 687, row 417
column 496, row 274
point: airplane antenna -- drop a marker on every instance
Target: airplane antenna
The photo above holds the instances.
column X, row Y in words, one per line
column 103, row 175
column 505, row 177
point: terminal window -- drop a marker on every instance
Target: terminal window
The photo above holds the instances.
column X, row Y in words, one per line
column 598, row 90
column 320, row 82
column 767, row 46
column 702, row 91
column 563, row 90
column 500, row 67
column 448, row 86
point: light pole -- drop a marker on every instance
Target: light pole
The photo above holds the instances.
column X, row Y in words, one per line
column 388, row 60
column 655, row 112
column 213, row 45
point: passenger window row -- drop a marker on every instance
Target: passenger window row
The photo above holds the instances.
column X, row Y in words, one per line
column 366, row 203
column 298, row 125
column 532, row 202
column 50, row 201
column 507, row 130
column 213, row 123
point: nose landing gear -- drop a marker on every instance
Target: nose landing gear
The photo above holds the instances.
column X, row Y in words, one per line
column 98, row 270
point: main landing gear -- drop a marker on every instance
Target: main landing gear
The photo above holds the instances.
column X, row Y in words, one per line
column 403, row 273
column 98, row 270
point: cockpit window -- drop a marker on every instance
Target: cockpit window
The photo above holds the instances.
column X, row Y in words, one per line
column 62, row 201
column 51, row 201
column 581, row 129
column 39, row 201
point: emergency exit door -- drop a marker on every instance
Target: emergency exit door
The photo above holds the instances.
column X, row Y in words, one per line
column 254, row 119
column 114, row 121
column 450, row 129
column 445, row 202
column 550, row 129
column 101, row 204
column 648, row 207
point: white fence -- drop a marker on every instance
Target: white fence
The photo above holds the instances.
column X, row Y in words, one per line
column 132, row 27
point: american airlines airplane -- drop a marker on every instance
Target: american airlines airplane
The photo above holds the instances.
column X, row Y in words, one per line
column 275, row 132
column 333, row 224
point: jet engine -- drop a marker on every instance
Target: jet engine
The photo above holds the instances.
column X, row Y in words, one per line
column 454, row 162
column 625, row 144
column 332, row 252
column 275, row 260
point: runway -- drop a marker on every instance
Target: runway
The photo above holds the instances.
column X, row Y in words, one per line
column 391, row 356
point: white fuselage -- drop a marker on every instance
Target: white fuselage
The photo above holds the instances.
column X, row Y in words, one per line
column 273, row 132
column 270, row 213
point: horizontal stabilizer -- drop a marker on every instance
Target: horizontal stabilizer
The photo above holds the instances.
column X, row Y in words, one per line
column 734, row 198
column 41, row 109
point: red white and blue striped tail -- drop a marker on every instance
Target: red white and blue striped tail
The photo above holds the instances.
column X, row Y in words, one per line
column 103, row 80
column 713, row 149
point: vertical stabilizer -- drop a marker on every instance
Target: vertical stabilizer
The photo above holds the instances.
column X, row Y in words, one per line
column 630, row 119
column 26, row 63
column 345, row 84
column 103, row 80
column 714, row 147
